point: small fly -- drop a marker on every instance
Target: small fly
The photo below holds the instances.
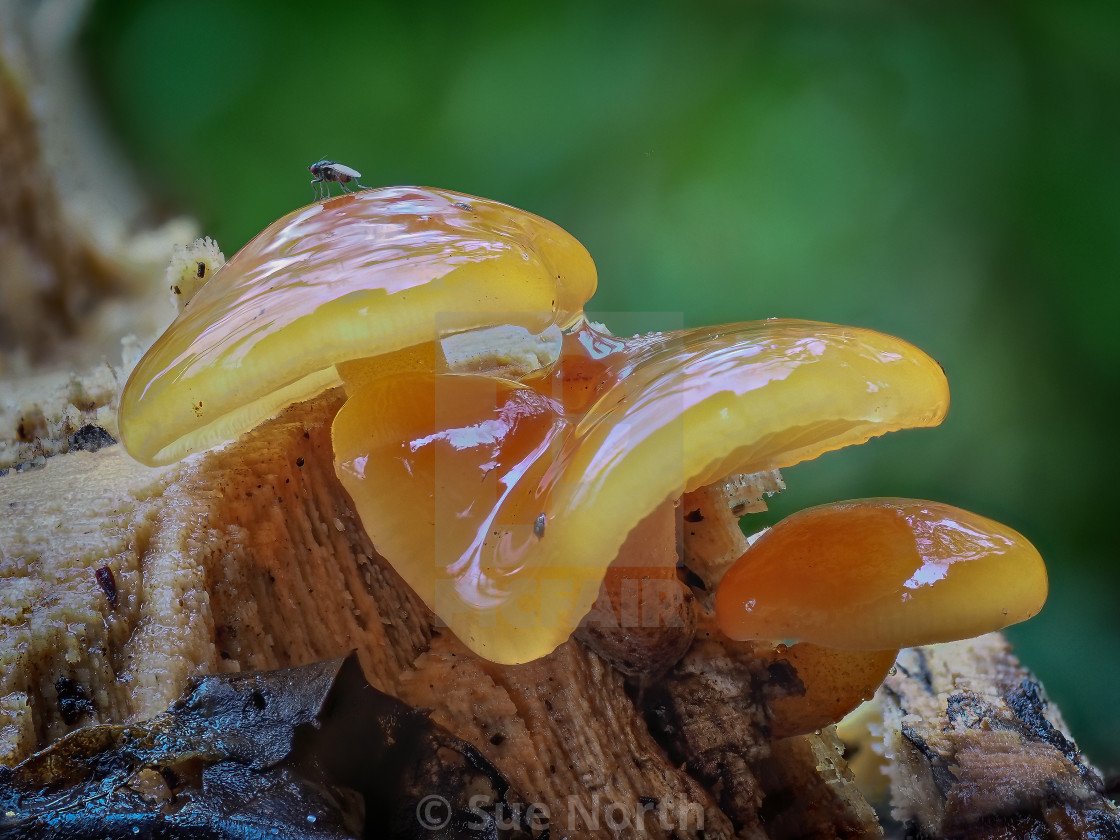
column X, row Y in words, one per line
column 326, row 171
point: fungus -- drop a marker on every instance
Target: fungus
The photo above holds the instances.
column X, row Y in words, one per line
column 503, row 496
column 450, row 473
column 812, row 686
column 358, row 276
column 881, row 573
column 644, row 619
column 834, row 682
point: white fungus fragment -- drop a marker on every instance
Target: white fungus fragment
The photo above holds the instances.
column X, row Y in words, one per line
column 190, row 267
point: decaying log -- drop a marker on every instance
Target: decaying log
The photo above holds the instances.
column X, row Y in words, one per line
column 78, row 252
column 251, row 557
column 122, row 581
column 81, row 262
column 975, row 750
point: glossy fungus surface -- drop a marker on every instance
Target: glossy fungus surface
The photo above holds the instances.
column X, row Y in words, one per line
column 503, row 503
column 881, row 573
column 834, row 682
column 350, row 277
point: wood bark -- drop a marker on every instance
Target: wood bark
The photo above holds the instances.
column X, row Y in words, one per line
column 976, row 750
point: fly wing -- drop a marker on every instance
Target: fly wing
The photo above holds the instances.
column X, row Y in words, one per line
column 341, row 169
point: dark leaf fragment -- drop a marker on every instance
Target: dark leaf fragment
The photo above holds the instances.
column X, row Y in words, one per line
column 90, row 438
column 311, row 752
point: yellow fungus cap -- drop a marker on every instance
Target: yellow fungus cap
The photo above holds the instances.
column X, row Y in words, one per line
column 881, row 573
column 355, row 276
column 834, row 682
column 503, row 503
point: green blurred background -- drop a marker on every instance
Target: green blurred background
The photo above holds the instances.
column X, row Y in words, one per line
column 944, row 171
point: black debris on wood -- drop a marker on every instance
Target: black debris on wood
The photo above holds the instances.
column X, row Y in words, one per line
column 91, row 438
column 72, row 700
column 311, row 752
column 108, row 585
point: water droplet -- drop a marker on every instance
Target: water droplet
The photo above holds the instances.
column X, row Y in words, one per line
column 892, row 672
column 311, row 818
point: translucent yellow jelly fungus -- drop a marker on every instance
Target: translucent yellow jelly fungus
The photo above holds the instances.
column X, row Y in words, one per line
column 355, row 276
column 835, row 682
column 881, row 573
column 503, row 503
